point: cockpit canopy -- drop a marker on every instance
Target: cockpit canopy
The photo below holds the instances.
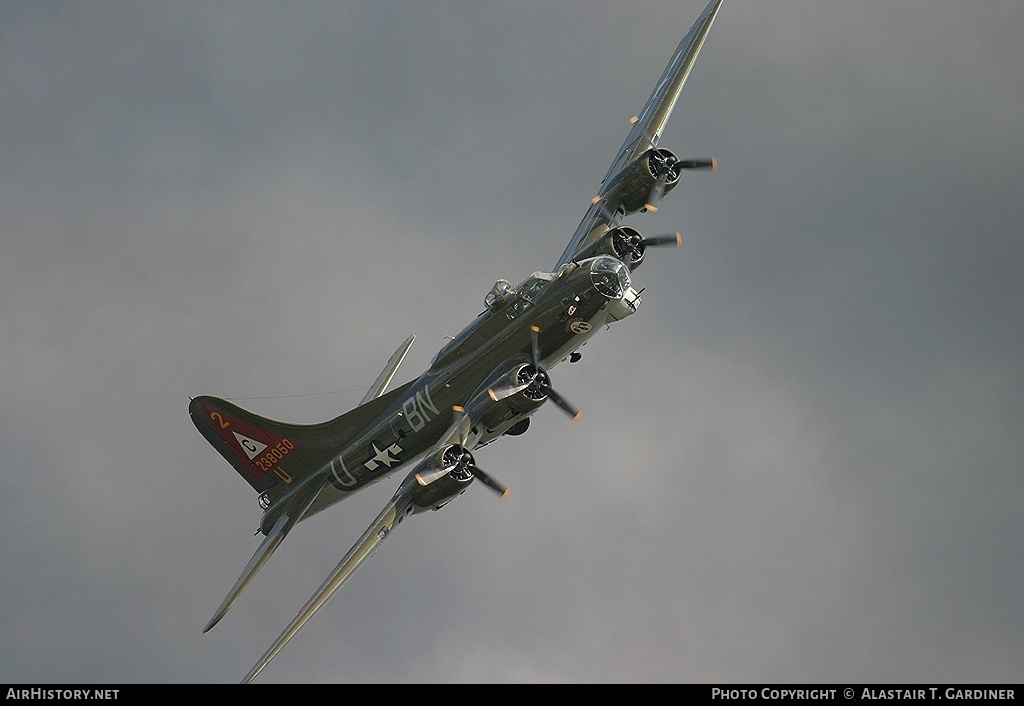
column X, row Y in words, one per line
column 499, row 294
column 521, row 297
column 502, row 297
column 609, row 276
column 528, row 291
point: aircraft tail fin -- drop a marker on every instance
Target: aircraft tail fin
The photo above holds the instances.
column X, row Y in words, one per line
column 271, row 454
column 265, row 452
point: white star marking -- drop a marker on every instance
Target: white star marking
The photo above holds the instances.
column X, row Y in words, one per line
column 383, row 456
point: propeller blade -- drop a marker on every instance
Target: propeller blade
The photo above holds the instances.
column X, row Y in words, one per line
column 673, row 239
column 658, row 188
column 458, row 434
column 544, row 380
column 535, row 336
column 490, row 482
column 604, row 211
column 464, row 425
column 562, row 404
column 698, row 164
column 500, row 393
column 428, row 477
column 656, row 192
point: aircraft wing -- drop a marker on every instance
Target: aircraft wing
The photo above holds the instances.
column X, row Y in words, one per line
column 356, row 557
column 606, row 209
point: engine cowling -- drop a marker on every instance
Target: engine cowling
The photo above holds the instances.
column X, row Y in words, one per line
column 624, row 243
column 632, row 186
column 453, row 464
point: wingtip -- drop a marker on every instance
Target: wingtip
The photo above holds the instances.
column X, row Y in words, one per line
column 505, row 494
column 214, row 620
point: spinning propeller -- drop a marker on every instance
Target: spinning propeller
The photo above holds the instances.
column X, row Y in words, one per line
column 458, row 460
column 665, row 167
column 534, row 382
column 628, row 241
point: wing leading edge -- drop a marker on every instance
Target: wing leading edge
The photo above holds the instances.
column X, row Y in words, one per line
column 604, row 213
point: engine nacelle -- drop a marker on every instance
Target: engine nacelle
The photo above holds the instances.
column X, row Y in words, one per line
column 520, row 374
column 631, row 187
column 500, row 410
column 454, row 465
column 624, row 243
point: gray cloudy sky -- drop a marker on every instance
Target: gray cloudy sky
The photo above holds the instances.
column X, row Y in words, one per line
column 800, row 462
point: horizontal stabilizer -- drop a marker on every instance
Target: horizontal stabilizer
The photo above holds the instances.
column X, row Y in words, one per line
column 381, row 383
column 356, row 557
column 273, row 540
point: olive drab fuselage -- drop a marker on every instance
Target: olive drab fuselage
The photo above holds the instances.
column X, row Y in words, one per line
column 566, row 306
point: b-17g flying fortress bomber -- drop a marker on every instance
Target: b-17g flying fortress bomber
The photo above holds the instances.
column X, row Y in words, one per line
column 483, row 384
